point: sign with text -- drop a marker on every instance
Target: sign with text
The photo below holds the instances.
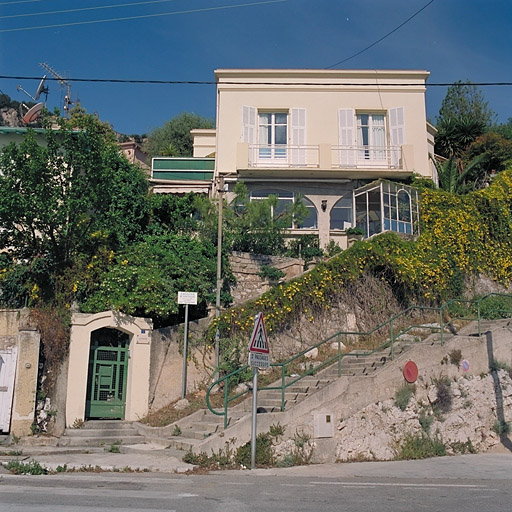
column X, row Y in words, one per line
column 259, row 351
column 187, row 298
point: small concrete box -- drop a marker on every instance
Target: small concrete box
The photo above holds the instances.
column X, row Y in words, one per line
column 323, row 425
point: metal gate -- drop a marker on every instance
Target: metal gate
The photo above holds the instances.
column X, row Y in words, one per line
column 106, row 396
column 8, row 359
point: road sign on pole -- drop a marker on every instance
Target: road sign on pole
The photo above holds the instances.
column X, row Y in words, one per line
column 259, row 351
column 186, row 298
column 259, row 357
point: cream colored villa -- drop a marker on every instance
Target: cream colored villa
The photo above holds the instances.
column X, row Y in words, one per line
column 343, row 140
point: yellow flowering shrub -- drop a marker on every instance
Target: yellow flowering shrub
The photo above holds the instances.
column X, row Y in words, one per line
column 461, row 235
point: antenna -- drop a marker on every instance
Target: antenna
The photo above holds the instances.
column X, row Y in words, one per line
column 19, row 88
column 62, row 82
column 41, row 89
column 32, row 114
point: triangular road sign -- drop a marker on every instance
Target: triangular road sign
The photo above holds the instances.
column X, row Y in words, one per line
column 259, row 340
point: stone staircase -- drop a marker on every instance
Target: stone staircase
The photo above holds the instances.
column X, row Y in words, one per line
column 102, row 433
column 192, row 431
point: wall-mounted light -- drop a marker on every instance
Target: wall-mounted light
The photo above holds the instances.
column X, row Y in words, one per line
column 324, row 205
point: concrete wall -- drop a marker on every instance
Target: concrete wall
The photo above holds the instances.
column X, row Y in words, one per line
column 167, row 363
column 17, row 331
column 280, row 90
column 137, row 385
column 204, row 142
column 321, row 94
column 347, row 395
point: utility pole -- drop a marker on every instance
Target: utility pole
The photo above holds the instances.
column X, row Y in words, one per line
column 220, row 190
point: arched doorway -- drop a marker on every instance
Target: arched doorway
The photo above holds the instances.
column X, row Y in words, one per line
column 108, row 367
column 106, row 380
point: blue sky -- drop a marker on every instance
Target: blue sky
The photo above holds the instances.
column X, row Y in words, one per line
column 453, row 39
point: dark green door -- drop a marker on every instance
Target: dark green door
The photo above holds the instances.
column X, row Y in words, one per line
column 106, row 395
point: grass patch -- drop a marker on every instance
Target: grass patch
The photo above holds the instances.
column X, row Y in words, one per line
column 403, row 396
column 419, row 446
column 443, row 403
column 426, row 421
column 496, row 307
column 501, row 427
column 497, row 365
column 29, row 468
column 115, row 447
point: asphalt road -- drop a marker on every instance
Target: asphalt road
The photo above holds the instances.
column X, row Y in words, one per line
column 457, row 484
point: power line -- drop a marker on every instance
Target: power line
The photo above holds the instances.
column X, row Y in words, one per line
column 213, row 82
column 19, row 2
column 126, row 18
column 45, row 13
column 382, row 38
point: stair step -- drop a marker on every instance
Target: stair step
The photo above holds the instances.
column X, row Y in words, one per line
column 99, row 441
column 90, row 432
column 106, row 424
column 178, row 443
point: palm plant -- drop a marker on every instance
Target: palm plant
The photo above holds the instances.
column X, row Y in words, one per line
column 451, row 175
column 454, row 135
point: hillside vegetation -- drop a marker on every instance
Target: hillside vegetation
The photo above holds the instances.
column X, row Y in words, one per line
column 461, row 237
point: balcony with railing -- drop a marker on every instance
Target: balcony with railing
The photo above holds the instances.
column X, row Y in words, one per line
column 371, row 160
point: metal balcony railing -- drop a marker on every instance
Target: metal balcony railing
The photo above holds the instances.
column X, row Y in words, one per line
column 281, row 155
column 387, row 157
column 325, row 156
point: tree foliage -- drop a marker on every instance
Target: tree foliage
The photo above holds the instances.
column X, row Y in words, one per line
column 455, row 134
column 69, row 196
column 259, row 226
column 494, row 154
column 454, row 179
column 145, row 278
column 173, row 138
column 464, row 99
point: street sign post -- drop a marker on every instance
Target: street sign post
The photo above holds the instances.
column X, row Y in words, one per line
column 259, row 357
column 259, row 351
column 186, row 298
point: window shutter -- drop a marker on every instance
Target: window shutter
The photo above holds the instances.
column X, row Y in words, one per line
column 346, row 119
column 298, row 136
column 249, row 129
column 396, row 134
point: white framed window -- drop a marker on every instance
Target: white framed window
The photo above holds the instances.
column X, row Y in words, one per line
column 371, row 136
column 341, row 213
column 272, row 135
column 285, row 200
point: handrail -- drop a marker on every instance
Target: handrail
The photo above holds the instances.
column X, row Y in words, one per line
column 441, row 311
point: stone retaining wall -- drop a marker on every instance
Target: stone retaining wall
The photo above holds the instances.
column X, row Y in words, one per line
column 246, row 266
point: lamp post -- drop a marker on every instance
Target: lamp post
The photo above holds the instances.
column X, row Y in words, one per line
column 220, row 190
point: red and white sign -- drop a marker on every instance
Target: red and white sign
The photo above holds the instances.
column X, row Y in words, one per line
column 259, row 351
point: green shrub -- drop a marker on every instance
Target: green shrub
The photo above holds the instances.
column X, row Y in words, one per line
column 114, row 447
column 217, row 460
column 501, row 427
column 463, row 448
column 270, row 273
column 496, row 307
column 276, row 430
column 426, row 421
column 264, row 455
column 356, row 231
column 501, row 365
column 403, row 395
column 30, row 468
column 455, row 357
column 443, row 403
column 419, row 446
